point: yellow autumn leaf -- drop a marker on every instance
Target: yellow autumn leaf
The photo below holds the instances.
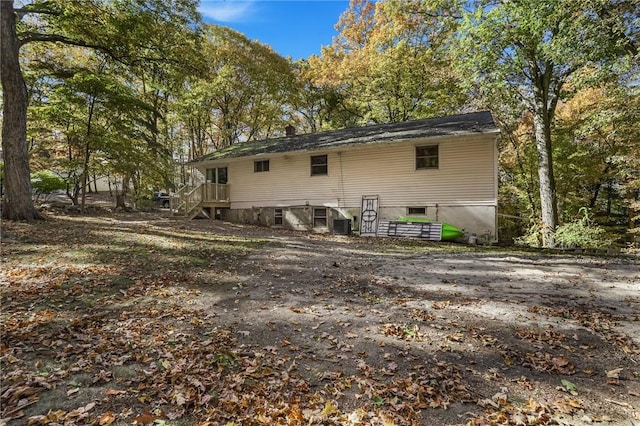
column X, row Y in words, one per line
column 329, row 409
column 388, row 422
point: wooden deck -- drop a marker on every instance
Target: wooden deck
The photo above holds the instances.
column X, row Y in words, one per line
column 189, row 201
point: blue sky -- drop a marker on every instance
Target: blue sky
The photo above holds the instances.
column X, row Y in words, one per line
column 296, row 28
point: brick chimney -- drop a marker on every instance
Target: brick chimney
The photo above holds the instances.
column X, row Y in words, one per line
column 290, row 130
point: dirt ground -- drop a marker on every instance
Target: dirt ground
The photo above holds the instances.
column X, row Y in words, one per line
column 139, row 318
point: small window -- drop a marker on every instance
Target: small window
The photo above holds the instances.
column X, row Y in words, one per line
column 427, row 157
column 277, row 217
column 261, row 166
column 422, row 211
column 319, row 165
column 319, row 218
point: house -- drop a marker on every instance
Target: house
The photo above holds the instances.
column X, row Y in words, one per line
column 444, row 169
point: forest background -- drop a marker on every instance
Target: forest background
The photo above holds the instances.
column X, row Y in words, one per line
column 133, row 89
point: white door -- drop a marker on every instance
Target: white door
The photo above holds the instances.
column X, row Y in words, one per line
column 369, row 216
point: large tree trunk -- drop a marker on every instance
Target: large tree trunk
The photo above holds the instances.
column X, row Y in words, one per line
column 87, row 154
column 121, row 196
column 17, row 203
column 548, row 205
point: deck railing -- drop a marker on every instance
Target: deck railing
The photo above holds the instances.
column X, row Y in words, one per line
column 215, row 192
column 187, row 198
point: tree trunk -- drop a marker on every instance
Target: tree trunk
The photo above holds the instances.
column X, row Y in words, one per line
column 548, row 206
column 17, row 203
column 120, row 202
column 87, row 153
column 594, row 196
column 121, row 196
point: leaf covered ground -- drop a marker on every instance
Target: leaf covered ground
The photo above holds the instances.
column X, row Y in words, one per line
column 139, row 319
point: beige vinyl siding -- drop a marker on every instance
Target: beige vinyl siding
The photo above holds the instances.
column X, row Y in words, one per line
column 288, row 183
column 466, row 175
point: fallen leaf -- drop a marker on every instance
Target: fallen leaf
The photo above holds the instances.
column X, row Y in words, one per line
column 456, row 337
column 329, row 409
column 567, row 405
column 570, row 387
column 614, row 374
column 146, row 418
column 106, row 418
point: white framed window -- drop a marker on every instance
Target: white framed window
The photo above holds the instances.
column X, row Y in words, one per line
column 427, row 157
column 277, row 217
column 319, row 217
column 319, row 165
column 261, row 166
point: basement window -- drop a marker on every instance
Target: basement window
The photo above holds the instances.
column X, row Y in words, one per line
column 420, row 211
column 319, row 218
column 427, row 157
column 319, row 165
column 277, row 217
column 261, row 166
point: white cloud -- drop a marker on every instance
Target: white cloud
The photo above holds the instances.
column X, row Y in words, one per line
column 227, row 11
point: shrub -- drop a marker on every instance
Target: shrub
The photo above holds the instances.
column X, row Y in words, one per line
column 583, row 233
column 532, row 238
column 46, row 182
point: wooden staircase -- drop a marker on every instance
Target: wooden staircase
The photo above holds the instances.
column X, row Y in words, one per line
column 191, row 202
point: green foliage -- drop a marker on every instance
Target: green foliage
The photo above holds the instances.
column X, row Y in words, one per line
column 100, row 94
column 596, row 150
column 532, row 55
column 242, row 91
column 318, row 103
column 532, row 238
column 583, row 233
column 224, row 359
column 388, row 63
column 46, row 182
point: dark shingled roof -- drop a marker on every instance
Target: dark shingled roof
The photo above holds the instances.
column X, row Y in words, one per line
column 453, row 125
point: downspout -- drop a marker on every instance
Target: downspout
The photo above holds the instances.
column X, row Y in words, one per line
column 341, row 181
column 496, row 190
